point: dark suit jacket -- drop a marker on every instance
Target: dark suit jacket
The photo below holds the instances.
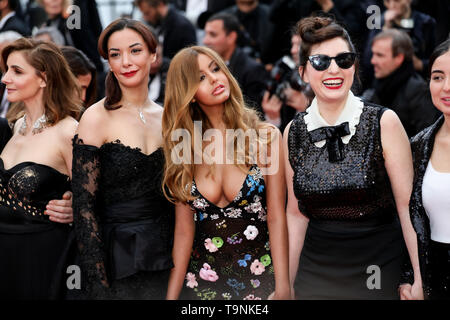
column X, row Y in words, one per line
column 412, row 104
column 213, row 5
column 14, row 23
column 251, row 76
column 85, row 38
column 178, row 33
column 5, row 133
column 260, row 30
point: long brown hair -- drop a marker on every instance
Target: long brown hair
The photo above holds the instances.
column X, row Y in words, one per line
column 113, row 93
column 180, row 113
column 81, row 65
column 61, row 93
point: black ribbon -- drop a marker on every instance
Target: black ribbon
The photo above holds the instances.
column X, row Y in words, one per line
column 333, row 136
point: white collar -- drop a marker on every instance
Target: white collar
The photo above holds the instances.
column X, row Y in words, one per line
column 5, row 19
column 351, row 114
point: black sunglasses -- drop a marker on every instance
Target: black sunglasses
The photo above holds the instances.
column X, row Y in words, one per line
column 321, row 62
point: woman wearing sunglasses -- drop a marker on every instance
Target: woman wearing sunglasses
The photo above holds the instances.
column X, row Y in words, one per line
column 351, row 171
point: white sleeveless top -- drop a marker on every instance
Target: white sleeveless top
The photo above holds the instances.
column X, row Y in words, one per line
column 436, row 201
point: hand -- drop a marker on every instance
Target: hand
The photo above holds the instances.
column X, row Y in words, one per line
column 279, row 295
column 408, row 292
column 271, row 106
column 389, row 16
column 326, row 5
column 61, row 210
column 292, row 293
column 296, row 99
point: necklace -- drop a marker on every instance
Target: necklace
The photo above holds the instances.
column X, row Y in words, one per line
column 141, row 115
column 39, row 125
column 140, row 110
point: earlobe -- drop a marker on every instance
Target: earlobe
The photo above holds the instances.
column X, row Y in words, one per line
column 43, row 80
column 400, row 58
column 154, row 57
column 303, row 75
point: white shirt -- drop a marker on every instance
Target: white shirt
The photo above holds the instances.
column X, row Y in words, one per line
column 194, row 8
column 436, row 201
column 351, row 114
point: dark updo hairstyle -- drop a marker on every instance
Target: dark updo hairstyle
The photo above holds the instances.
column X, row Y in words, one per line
column 113, row 93
column 440, row 50
column 315, row 30
column 81, row 65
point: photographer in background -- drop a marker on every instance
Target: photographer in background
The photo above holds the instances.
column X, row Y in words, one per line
column 286, row 93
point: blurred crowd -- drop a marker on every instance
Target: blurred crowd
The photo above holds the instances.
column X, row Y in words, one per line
column 256, row 40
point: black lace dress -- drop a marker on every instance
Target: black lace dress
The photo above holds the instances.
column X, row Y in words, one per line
column 123, row 223
column 34, row 251
column 353, row 248
column 231, row 257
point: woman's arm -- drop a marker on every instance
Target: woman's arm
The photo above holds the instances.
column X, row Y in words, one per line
column 182, row 247
column 276, row 217
column 61, row 210
column 85, row 185
column 297, row 223
column 399, row 166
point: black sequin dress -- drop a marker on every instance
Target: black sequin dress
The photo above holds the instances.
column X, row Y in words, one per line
column 231, row 257
column 123, row 223
column 34, row 251
column 353, row 248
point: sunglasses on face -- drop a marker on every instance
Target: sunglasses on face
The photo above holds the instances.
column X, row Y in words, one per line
column 321, row 62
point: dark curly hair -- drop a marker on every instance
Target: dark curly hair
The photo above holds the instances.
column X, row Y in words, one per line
column 315, row 30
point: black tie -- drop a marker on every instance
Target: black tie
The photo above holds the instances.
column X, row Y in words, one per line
column 333, row 136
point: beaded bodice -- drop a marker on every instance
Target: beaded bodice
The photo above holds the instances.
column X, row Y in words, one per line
column 354, row 188
column 26, row 188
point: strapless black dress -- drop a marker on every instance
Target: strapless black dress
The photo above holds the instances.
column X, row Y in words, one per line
column 123, row 222
column 34, row 251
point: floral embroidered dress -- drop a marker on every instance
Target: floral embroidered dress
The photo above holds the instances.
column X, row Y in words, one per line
column 231, row 257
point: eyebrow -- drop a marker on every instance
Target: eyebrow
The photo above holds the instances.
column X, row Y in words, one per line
column 16, row 67
column 437, row 71
column 209, row 65
column 133, row 45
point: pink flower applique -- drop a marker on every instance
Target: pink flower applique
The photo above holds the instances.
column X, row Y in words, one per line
column 210, row 246
column 191, row 280
column 207, row 274
column 251, row 232
column 257, row 267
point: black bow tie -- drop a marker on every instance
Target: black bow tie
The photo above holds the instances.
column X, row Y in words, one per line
column 333, row 136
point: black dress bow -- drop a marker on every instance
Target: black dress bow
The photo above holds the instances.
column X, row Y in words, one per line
column 333, row 136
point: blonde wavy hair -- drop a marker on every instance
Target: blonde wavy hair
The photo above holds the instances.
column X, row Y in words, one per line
column 180, row 113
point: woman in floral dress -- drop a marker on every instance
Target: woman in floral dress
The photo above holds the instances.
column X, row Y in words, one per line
column 224, row 212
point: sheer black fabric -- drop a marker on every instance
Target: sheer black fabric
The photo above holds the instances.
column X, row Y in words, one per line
column 124, row 224
column 85, row 180
column 34, row 251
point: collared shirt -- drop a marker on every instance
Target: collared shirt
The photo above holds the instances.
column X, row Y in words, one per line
column 351, row 114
